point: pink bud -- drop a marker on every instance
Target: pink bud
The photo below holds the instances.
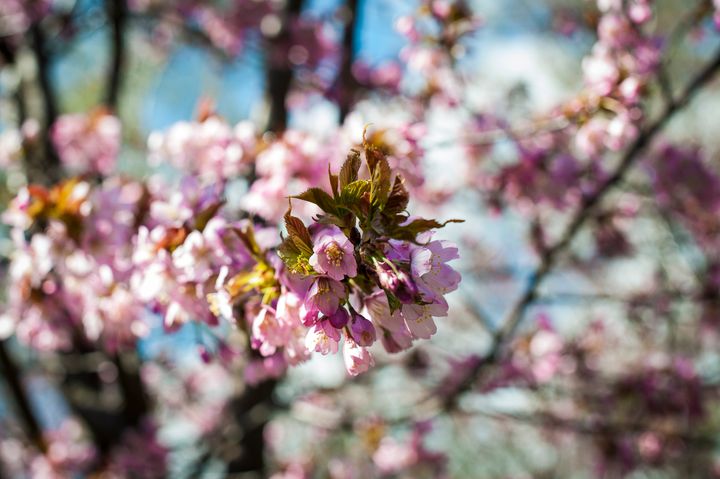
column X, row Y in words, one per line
column 362, row 330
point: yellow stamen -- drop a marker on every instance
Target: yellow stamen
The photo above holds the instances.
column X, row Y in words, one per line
column 334, row 254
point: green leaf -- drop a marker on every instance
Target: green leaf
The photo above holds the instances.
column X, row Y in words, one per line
column 297, row 230
column 410, row 231
column 354, row 192
column 333, row 182
column 393, row 302
column 373, row 155
column 350, row 169
column 399, row 197
column 319, row 197
column 295, row 259
column 202, row 218
column 380, row 188
column 355, row 197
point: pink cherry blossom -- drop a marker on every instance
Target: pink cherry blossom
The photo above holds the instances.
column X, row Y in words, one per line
column 357, row 359
column 324, row 296
column 333, row 253
column 88, row 142
column 323, row 338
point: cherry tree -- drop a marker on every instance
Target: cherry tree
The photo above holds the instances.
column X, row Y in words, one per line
column 404, row 267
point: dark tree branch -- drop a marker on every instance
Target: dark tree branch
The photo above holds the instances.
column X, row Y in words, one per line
column 346, row 82
column 135, row 399
column 117, row 14
column 598, row 427
column 279, row 81
column 280, row 74
column 549, row 258
column 7, row 53
column 252, row 412
column 45, row 168
column 11, row 373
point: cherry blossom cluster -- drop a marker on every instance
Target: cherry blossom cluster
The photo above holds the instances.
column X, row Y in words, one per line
column 16, row 16
column 437, row 36
column 225, row 26
column 88, row 143
column 379, row 449
column 567, row 145
column 70, row 267
column 95, row 261
column 71, row 452
column 668, row 392
column 208, row 148
column 621, row 64
column 299, row 41
column 686, row 185
column 363, row 270
column 215, row 151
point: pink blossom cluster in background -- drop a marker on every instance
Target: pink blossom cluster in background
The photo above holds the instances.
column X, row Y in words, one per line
column 88, row 142
column 110, row 255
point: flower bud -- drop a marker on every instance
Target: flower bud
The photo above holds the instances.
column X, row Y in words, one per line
column 339, row 319
column 396, row 281
column 362, row 330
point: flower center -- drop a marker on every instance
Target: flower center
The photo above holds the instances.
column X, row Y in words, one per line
column 334, row 254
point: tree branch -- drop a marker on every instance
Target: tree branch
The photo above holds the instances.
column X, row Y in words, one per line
column 117, row 14
column 280, row 73
column 12, row 375
column 586, row 210
column 346, row 83
column 48, row 167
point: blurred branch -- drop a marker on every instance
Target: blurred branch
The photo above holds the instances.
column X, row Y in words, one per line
column 346, row 82
column 280, row 73
column 599, row 427
column 117, row 14
column 49, row 167
column 7, row 53
column 252, row 412
column 135, row 405
column 639, row 299
column 550, row 256
column 490, row 137
column 190, row 33
column 12, row 375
